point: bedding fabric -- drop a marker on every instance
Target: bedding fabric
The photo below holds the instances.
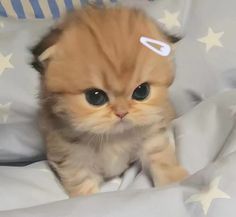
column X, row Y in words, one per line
column 205, row 132
column 206, row 146
column 20, row 139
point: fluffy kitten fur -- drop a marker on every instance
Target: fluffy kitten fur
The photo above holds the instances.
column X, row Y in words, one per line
column 89, row 144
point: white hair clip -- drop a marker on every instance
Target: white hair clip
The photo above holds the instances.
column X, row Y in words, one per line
column 164, row 48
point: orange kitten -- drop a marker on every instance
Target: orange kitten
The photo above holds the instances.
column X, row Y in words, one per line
column 104, row 99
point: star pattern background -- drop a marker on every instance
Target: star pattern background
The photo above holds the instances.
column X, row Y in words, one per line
column 170, row 20
column 206, row 196
column 201, row 59
column 1, row 25
column 4, row 112
column 212, row 39
column 5, row 63
column 18, row 86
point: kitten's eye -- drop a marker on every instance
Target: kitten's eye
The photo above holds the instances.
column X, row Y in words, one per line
column 96, row 97
column 141, row 92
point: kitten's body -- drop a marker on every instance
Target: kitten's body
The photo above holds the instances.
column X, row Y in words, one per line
column 86, row 144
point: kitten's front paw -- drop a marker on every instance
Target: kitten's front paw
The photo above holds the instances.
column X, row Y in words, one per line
column 87, row 187
column 170, row 175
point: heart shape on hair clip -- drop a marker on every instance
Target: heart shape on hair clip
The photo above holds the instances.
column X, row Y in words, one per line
column 164, row 48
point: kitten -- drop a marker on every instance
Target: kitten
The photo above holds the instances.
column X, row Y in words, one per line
column 104, row 99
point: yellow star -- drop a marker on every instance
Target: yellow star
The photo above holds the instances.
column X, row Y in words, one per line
column 206, row 197
column 170, row 20
column 5, row 63
column 1, row 24
column 212, row 39
column 4, row 112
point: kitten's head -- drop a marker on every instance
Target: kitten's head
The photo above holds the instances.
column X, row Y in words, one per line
column 99, row 76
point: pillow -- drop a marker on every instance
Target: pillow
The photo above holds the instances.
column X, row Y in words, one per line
column 41, row 8
column 20, row 139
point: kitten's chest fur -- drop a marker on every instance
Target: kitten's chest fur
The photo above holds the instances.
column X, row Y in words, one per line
column 108, row 155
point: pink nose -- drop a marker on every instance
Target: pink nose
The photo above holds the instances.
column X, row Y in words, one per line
column 121, row 114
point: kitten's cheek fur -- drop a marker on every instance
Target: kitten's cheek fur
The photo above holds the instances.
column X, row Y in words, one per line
column 83, row 117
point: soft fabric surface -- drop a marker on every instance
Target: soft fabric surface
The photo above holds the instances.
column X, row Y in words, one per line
column 20, row 139
column 206, row 145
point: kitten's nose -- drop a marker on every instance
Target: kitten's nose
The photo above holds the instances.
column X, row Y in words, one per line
column 121, row 114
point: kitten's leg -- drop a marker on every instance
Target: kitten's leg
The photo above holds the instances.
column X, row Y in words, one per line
column 158, row 156
column 82, row 188
column 88, row 186
column 79, row 181
column 76, row 178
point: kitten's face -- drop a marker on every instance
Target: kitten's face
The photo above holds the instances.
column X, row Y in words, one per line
column 107, row 82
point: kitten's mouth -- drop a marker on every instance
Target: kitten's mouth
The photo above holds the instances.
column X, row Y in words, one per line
column 122, row 125
column 123, row 121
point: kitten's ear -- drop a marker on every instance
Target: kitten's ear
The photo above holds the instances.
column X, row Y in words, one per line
column 168, row 78
column 173, row 40
column 43, row 51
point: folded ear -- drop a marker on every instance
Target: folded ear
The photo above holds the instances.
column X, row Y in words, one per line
column 42, row 52
column 173, row 39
